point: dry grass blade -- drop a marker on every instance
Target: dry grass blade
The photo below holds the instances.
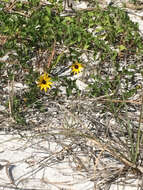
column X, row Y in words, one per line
column 52, row 55
column 123, row 101
column 115, row 154
column 11, row 96
column 98, row 158
column 12, row 4
column 8, row 168
column 139, row 135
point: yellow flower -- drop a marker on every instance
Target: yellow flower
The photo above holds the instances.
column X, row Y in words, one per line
column 44, row 82
column 76, row 68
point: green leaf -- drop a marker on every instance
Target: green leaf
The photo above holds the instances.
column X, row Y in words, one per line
column 122, row 47
column 48, row 10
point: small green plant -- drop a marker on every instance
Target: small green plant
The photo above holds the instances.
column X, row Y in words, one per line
column 31, row 28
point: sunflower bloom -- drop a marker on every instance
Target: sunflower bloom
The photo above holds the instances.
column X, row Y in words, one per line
column 44, row 82
column 76, row 68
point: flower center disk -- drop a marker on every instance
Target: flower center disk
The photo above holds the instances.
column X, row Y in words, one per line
column 76, row 66
column 43, row 82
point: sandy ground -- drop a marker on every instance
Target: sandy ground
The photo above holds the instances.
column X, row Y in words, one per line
column 27, row 164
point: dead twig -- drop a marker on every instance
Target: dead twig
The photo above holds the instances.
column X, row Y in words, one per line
column 123, row 101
